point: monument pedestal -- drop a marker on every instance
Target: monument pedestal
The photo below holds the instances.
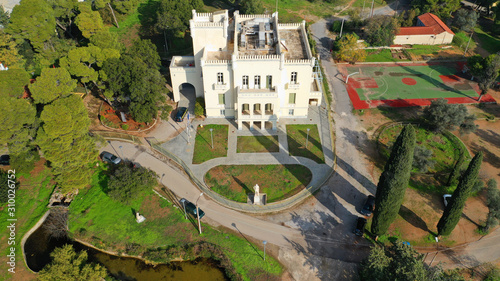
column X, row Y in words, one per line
column 252, row 199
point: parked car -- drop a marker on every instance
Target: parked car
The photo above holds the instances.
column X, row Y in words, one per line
column 181, row 113
column 369, row 206
column 110, row 158
column 360, row 226
column 446, row 199
column 5, row 160
column 191, row 208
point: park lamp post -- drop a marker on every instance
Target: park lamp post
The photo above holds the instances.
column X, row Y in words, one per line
column 185, row 213
column 307, row 138
column 198, row 212
column 212, row 137
column 264, row 242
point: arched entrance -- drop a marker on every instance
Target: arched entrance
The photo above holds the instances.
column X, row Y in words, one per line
column 187, row 96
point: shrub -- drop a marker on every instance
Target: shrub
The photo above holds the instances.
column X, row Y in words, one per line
column 125, row 126
column 165, row 111
column 126, row 183
column 199, row 107
column 422, row 159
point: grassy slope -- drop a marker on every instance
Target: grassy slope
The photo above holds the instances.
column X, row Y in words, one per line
column 108, row 224
column 32, row 198
column 488, row 42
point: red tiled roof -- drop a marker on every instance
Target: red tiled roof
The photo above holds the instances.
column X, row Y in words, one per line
column 433, row 25
column 416, row 30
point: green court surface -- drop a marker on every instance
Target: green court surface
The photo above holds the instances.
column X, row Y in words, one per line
column 410, row 82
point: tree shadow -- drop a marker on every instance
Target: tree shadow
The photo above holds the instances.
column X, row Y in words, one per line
column 244, row 186
column 490, row 136
column 250, row 243
column 364, row 181
column 413, row 219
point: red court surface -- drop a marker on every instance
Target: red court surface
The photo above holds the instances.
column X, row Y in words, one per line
column 367, row 82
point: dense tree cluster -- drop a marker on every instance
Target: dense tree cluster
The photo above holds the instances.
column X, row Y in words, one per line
column 393, row 181
column 465, row 20
column 401, row 262
column 381, row 30
column 51, row 47
column 69, row 265
column 441, row 8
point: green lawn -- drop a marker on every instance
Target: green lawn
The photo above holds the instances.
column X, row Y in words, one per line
column 249, row 144
column 487, row 42
column 445, row 151
column 427, row 81
column 277, row 181
column 203, row 150
column 379, row 56
column 368, row 5
column 108, row 224
column 32, row 198
column 297, row 138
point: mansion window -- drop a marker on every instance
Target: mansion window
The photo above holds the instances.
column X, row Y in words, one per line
column 293, row 79
column 245, row 82
column 220, row 78
column 257, row 82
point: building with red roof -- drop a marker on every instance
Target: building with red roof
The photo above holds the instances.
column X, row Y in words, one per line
column 430, row 30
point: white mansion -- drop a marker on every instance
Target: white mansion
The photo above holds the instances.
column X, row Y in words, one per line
column 249, row 67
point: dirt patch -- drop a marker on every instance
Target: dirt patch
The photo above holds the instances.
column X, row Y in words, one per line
column 421, row 211
column 151, row 208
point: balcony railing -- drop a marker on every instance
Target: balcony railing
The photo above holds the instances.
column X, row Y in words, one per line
column 293, row 85
column 220, row 86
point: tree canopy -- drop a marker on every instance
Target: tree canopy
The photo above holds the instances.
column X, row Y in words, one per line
column 441, row 8
column 485, row 70
column 381, row 30
column 174, row 15
column 68, row 265
column 400, row 261
column 126, row 183
column 33, row 20
column 392, row 184
column 9, row 54
column 465, row 20
column 441, row 115
column 64, row 140
column 12, row 82
column 349, row 50
column 89, row 22
column 453, row 211
column 252, row 7
column 52, row 84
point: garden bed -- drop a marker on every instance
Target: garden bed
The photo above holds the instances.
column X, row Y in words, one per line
column 277, row 181
column 111, row 118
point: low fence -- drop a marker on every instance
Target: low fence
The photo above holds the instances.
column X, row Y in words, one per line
column 118, row 136
column 270, row 207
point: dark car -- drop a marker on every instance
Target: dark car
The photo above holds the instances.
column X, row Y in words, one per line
column 181, row 113
column 191, row 208
column 5, row 160
column 369, row 206
column 110, row 158
column 360, row 226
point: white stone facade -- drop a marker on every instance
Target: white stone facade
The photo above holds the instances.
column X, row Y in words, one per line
column 249, row 67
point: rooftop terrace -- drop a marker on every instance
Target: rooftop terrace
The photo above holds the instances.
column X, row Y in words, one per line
column 292, row 44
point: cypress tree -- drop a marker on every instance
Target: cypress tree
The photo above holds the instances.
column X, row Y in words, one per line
column 393, row 181
column 453, row 211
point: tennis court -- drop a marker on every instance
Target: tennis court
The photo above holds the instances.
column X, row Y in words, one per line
column 402, row 85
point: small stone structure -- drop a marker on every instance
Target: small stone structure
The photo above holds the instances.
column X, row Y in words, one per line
column 139, row 218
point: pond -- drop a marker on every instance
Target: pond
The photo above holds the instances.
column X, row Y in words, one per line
column 39, row 246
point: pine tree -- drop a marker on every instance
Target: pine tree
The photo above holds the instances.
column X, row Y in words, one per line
column 393, row 181
column 453, row 211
